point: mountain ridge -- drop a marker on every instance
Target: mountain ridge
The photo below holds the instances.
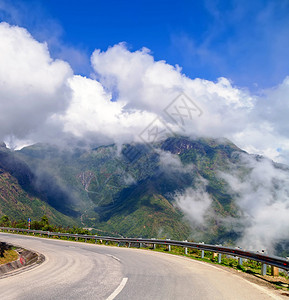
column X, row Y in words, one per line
column 105, row 186
column 178, row 188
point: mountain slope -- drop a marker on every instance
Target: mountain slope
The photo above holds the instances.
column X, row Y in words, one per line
column 18, row 197
column 203, row 189
column 136, row 197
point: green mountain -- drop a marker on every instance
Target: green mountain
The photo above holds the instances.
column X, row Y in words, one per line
column 131, row 191
column 18, row 197
column 174, row 189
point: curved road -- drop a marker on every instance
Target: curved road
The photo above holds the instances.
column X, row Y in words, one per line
column 86, row 271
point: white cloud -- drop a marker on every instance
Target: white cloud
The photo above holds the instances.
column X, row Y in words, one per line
column 271, row 113
column 145, row 84
column 263, row 197
column 257, row 123
column 195, row 203
column 92, row 113
column 41, row 98
column 32, row 85
column 170, row 162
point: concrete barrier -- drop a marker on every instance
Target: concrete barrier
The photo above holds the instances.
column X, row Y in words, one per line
column 26, row 258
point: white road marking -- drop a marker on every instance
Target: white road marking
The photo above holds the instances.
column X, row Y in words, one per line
column 118, row 289
column 114, row 257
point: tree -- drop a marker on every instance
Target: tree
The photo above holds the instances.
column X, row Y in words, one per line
column 36, row 225
column 3, row 247
column 5, row 221
column 44, row 221
column 45, row 224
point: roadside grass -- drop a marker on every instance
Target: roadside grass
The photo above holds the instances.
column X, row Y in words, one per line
column 248, row 266
column 9, row 256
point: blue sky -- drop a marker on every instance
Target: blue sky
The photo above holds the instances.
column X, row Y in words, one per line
column 245, row 41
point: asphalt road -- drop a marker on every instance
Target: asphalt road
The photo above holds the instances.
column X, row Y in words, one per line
column 86, row 271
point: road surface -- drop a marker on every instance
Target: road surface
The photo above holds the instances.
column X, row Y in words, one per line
column 86, row 271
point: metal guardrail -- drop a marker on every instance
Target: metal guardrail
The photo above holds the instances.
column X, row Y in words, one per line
column 275, row 261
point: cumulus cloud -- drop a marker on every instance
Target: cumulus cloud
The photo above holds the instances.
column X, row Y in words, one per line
column 32, row 85
column 42, row 99
column 146, row 84
column 262, row 193
column 256, row 123
column 92, row 113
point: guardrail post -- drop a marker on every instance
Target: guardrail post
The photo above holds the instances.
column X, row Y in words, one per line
column 186, row 251
column 274, row 271
column 169, row 248
column 118, row 244
column 219, row 258
column 154, row 246
column 129, row 245
column 263, row 269
column 140, row 245
column 85, row 240
column 202, row 253
column 240, row 261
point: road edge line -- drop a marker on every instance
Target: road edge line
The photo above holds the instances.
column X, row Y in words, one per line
column 118, row 289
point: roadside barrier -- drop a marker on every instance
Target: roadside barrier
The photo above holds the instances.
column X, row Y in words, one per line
column 217, row 250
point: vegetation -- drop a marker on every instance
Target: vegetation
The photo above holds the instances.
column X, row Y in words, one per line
column 134, row 197
column 43, row 224
column 9, row 256
column 120, row 194
column 19, row 204
column 5, row 221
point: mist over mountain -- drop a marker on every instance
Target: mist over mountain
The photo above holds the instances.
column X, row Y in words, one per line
column 20, row 196
column 36, row 184
column 201, row 189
